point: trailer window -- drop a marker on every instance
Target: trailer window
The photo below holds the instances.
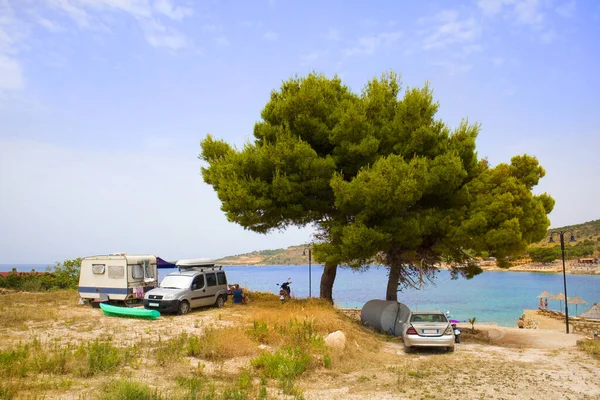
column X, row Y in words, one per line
column 149, row 271
column 221, row 278
column 98, row 269
column 211, row 280
column 116, row 271
column 137, row 272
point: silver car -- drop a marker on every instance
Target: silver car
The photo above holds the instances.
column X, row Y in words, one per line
column 181, row 291
column 427, row 329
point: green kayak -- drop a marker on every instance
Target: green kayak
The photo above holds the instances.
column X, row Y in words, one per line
column 115, row 311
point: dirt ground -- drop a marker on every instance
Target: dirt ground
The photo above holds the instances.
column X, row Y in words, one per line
column 492, row 363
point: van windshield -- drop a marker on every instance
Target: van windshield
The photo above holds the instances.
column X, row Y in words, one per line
column 176, row 282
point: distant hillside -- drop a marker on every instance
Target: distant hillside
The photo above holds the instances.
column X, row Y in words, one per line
column 293, row 255
column 586, row 231
column 290, row 256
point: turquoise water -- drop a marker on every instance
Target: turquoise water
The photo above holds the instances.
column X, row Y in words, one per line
column 500, row 297
column 492, row 296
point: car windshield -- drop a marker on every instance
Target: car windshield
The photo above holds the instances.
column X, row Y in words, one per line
column 176, row 282
column 428, row 318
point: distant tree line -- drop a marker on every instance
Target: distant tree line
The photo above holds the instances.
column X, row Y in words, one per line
column 63, row 275
column 549, row 254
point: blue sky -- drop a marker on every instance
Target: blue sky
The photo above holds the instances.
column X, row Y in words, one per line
column 103, row 104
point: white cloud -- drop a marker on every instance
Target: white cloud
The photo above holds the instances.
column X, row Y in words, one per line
column 311, row 57
column 176, row 13
column 528, row 12
column 333, row 34
column 497, row 61
column 270, row 35
column 491, row 7
column 452, row 68
column 11, row 77
column 472, row 48
column 447, row 29
column 367, row 45
column 87, row 14
column 51, row 25
column 222, row 41
column 566, row 9
column 173, row 40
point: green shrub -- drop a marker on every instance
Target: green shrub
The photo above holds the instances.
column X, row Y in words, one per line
column 125, row 389
column 205, row 346
column 101, row 357
column 259, row 331
column 14, row 362
column 170, row 351
column 63, row 275
column 285, row 363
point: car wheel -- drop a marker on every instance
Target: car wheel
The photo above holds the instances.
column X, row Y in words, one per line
column 184, row 307
column 220, row 302
column 408, row 349
column 451, row 349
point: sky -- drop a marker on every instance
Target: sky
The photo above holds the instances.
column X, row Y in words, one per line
column 103, row 104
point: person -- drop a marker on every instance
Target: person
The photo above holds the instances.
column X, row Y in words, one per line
column 546, row 304
column 238, row 294
column 521, row 323
column 541, row 303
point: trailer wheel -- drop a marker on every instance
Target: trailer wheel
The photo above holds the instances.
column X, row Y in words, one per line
column 220, row 302
column 184, row 307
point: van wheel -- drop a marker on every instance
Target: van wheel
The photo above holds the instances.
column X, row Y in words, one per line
column 184, row 307
column 220, row 302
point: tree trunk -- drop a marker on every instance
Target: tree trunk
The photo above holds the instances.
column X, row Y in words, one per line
column 391, row 293
column 327, row 279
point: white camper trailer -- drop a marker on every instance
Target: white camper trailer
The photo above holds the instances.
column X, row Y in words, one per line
column 117, row 277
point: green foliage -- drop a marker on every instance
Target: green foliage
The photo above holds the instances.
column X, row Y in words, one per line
column 101, row 357
column 472, row 322
column 259, row 331
column 125, row 389
column 173, row 349
column 379, row 176
column 551, row 253
column 63, row 275
column 544, row 254
column 285, row 363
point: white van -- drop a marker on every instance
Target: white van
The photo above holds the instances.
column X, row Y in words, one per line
column 117, row 277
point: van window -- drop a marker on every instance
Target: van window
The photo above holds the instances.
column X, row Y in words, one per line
column 137, row 272
column 211, row 280
column 98, row 269
column 221, row 278
column 198, row 281
column 116, row 271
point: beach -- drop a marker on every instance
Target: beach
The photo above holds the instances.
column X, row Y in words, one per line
column 493, row 362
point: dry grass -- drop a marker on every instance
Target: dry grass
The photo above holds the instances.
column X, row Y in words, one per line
column 78, row 353
column 19, row 309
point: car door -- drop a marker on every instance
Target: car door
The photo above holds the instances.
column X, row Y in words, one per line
column 198, row 291
column 209, row 297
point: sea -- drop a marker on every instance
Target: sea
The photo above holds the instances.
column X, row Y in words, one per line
column 498, row 297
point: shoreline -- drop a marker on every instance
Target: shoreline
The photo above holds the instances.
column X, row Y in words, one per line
column 485, row 269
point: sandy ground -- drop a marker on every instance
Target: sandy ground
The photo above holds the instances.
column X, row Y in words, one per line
column 495, row 363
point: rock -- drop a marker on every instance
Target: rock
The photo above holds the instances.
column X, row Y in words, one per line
column 336, row 340
column 265, row 347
